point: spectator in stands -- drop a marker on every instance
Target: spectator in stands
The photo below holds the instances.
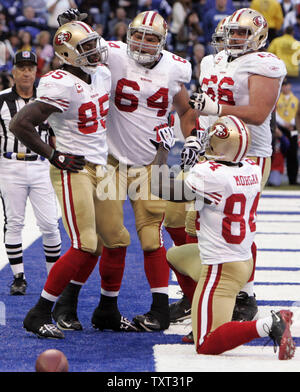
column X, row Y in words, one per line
column 26, row 41
column 163, row 7
column 297, row 27
column 13, row 43
column 44, row 52
column 55, row 8
column 99, row 28
column 120, row 32
column 6, row 81
column 13, row 9
column 286, row 111
column 211, row 19
column 202, row 6
column 4, row 30
column 288, row 50
column 43, row 40
column 131, row 7
column 30, row 22
column 120, row 16
column 188, row 36
column 198, row 54
column 98, row 10
column 6, row 61
column 55, row 63
column 272, row 12
column 179, row 12
column 286, row 7
column 40, row 7
column 280, row 146
column 290, row 17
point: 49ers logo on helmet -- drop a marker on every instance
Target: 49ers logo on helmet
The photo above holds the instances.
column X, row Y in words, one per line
column 221, row 131
column 63, row 37
column 260, row 21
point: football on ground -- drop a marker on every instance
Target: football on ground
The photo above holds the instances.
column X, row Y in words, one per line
column 52, row 361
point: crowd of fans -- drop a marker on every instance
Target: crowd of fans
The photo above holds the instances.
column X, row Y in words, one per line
column 30, row 25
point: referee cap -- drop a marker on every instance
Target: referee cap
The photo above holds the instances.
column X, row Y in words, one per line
column 25, row 57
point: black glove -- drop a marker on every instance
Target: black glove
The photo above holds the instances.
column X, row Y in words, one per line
column 69, row 15
column 194, row 146
column 164, row 135
column 70, row 162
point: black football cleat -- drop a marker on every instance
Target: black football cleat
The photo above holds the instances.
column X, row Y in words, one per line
column 41, row 325
column 66, row 317
column 107, row 320
column 245, row 308
column 281, row 335
column 19, row 285
column 180, row 310
column 152, row 321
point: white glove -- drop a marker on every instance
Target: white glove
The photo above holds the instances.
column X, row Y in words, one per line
column 69, row 15
column 194, row 146
column 202, row 102
column 164, row 135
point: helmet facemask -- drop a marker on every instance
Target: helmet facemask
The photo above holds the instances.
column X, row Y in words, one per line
column 139, row 50
column 238, row 46
column 78, row 45
column 85, row 57
column 250, row 31
column 218, row 37
column 218, row 42
column 141, row 30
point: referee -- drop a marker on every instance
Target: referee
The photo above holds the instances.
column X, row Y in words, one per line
column 24, row 175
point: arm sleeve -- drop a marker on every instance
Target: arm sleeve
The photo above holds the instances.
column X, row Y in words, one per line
column 54, row 92
column 266, row 64
column 205, row 184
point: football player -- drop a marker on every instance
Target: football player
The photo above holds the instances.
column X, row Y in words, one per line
column 75, row 101
column 245, row 81
column 147, row 81
column 226, row 189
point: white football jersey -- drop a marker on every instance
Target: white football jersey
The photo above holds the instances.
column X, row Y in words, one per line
column 228, row 83
column 80, row 126
column 226, row 227
column 141, row 99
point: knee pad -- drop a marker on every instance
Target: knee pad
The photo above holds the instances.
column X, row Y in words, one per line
column 150, row 238
column 88, row 242
column 116, row 238
column 175, row 214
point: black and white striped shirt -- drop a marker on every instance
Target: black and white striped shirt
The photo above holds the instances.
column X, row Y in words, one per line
column 10, row 104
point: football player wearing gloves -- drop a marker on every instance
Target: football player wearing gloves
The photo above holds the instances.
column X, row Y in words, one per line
column 69, row 15
column 70, row 162
column 67, row 96
column 147, row 83
column 216, row 186
column 165, row 135
column 194, row 147
column 204, row 104
column 244, row 81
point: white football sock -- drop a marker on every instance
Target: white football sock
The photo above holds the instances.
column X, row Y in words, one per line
column 263, row 326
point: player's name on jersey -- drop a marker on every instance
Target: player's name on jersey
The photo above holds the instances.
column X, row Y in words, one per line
column 246, row 180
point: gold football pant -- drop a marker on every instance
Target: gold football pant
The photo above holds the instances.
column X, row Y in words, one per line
column 216, row 291
column 87, row 220
column 135, row 182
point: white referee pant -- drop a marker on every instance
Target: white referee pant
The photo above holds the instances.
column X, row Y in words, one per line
column 20, row 180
